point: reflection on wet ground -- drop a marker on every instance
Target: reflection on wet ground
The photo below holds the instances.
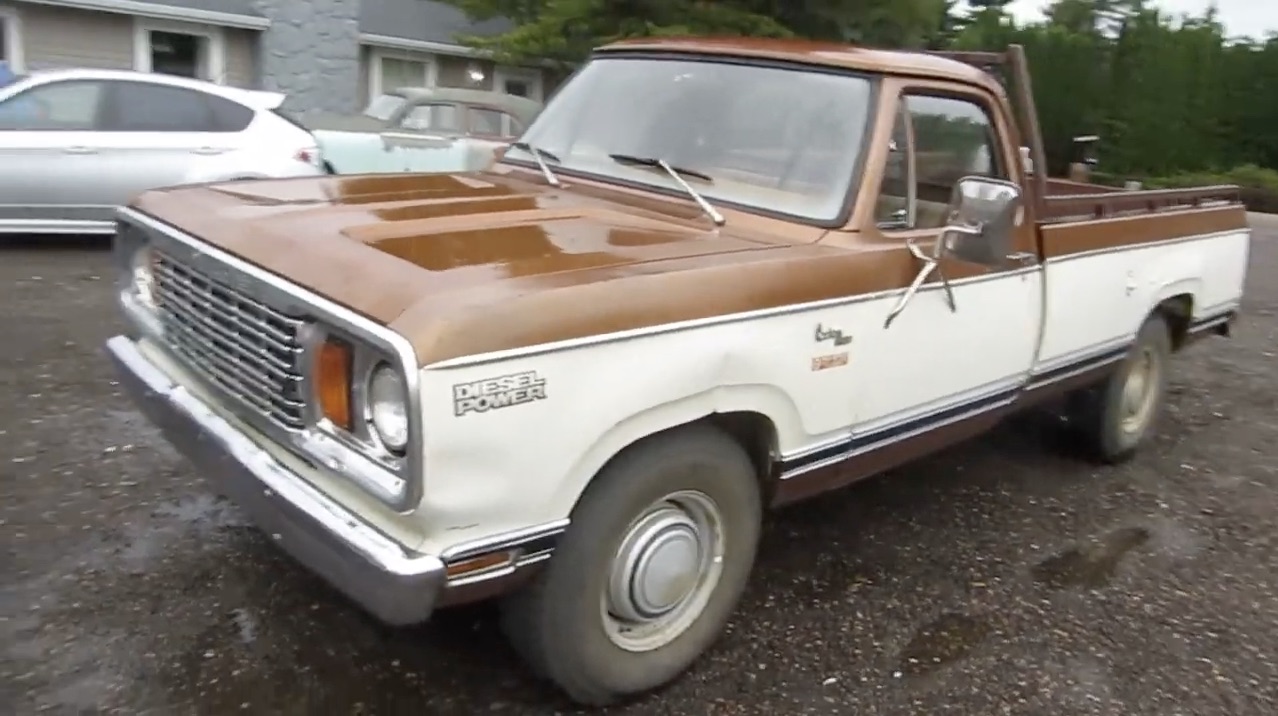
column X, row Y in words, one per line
column 1091, row 565
column 942, row 641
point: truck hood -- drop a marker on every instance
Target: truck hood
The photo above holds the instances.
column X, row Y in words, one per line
column 463, row 263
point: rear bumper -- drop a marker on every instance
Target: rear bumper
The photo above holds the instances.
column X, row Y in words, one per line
column 395, row 585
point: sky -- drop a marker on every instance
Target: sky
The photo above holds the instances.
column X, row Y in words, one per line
column 1240, row 17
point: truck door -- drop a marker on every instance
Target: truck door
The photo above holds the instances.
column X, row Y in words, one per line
column 936, row 364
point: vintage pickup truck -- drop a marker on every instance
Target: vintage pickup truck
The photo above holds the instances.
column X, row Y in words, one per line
column 712, row 277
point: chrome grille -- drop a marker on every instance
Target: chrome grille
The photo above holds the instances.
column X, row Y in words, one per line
column 242, row 347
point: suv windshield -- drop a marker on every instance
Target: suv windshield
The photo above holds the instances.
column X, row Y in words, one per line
column 769, row 138
column 383, row 106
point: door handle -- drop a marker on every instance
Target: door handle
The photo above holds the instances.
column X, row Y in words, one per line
column 207, row 151
column 79, row 150
column 1023, row 258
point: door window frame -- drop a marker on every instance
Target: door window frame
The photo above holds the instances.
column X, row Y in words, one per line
column 894, row 95
column 214, row 38
column 12, row 32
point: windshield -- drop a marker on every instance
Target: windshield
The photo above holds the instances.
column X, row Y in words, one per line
column 779, row 140
column 383, row 106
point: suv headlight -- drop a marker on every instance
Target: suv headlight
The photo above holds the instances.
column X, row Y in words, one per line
column 388, row 407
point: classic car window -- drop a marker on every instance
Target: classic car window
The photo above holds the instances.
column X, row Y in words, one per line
column 144, row 107
column 71, row 105
column 437, row 117
column 494, row 123
column 383, row 106
column 952, row 138
column 773, row 139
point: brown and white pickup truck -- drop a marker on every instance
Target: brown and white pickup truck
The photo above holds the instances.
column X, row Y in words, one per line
column 713, row 277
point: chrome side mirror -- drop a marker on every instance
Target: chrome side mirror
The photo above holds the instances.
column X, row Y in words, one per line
column 982, row 212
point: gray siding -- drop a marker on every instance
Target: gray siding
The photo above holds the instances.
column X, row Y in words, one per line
column 241, row 57
column 55, row 37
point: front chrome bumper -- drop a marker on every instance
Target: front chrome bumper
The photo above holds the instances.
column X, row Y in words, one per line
column 395, row 585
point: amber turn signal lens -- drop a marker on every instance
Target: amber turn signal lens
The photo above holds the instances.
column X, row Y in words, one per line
column 333, row 382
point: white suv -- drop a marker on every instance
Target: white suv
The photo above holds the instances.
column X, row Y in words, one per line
column 75, row 144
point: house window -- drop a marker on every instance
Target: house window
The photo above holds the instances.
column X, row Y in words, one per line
column 519, row 82
column 390, row 70
column 193, row 51
column 175, row 53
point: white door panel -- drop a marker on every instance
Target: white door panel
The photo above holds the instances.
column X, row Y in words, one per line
column 933, row 359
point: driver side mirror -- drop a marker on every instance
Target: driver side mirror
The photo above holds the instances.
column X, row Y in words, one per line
column 982, row 212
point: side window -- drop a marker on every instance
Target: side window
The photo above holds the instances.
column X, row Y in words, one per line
column 948, row 139
column 439, row 117
column 228, row 116
column 493, row 123
column 56, row 106
column 144, row 107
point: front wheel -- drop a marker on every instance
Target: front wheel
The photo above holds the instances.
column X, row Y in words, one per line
column 658, row 553
column 1116, row 417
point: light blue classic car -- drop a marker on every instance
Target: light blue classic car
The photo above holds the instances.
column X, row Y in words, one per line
column 422, row 129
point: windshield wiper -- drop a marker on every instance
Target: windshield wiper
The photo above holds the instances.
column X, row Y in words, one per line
column 676, row 173
column 541, row 155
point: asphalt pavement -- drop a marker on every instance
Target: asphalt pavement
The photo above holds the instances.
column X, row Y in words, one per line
column 1005, row 576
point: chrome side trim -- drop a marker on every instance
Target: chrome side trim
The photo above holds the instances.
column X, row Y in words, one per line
column 289, row 297
column 680, row 326
column 528, row 351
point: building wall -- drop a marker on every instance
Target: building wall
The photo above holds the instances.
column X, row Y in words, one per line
column 55, row 37
column 311, row 52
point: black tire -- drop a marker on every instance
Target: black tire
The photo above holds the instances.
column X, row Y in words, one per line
column 1098, row 413
column 556, row 623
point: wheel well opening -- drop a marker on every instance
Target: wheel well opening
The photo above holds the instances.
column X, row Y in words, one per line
column 1177, row 311
column 756, row 434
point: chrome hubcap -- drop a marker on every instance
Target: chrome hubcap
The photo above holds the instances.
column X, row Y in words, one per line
column 664, row 571
column 1140, row 392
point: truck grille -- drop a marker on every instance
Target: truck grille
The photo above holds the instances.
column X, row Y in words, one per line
column 242, row 347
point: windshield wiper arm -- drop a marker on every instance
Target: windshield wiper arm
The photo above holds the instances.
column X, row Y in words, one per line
column 541, row 155
column 676, row 173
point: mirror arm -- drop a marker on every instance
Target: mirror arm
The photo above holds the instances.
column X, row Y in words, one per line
column 930, row 264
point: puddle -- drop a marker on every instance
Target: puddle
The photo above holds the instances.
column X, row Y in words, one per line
column 1091, row 565
column 942, row 641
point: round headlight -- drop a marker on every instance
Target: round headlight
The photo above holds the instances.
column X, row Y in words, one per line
column 388, row 407
column 142, row 276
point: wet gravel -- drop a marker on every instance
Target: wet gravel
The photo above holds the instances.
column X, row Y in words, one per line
column 1002, row 577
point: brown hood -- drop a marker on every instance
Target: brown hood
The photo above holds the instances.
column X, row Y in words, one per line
column 462, row 264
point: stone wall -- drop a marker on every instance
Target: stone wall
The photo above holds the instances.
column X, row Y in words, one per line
column 311, row 52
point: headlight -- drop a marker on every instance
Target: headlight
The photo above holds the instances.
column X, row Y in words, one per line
column 388, row 407
column 142, row 276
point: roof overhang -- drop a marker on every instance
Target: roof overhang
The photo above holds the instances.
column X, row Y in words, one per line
column 160, row 11
column 438, row 48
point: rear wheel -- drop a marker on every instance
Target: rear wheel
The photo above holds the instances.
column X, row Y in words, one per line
column 657, row 556
column 1116, row 417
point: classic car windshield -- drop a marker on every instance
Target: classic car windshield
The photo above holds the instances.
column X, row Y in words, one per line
column 383, row 106
column 770, row 138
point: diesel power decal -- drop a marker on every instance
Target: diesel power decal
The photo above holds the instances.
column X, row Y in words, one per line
column 504, row 391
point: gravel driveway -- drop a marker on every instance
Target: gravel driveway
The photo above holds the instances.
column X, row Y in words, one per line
column 1002, row 577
